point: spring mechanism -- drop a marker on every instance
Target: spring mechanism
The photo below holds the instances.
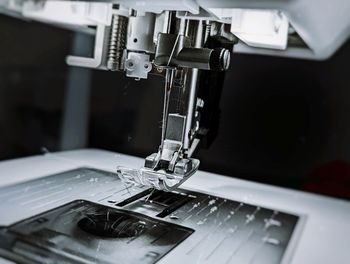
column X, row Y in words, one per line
column 117, row 43
column 207, row 31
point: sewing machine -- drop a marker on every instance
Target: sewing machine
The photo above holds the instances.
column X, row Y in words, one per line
column 80, row 206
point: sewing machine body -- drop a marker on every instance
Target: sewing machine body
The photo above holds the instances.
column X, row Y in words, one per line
column 268, row 224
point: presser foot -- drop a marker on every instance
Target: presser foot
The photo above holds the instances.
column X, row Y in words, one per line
column 159, row 178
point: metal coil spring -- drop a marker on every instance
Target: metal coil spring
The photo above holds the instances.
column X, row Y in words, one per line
column 207, row 32
column 117, row 42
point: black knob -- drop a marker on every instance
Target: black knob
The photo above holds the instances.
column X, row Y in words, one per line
column 220, row 59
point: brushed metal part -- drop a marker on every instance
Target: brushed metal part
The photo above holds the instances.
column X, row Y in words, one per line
column 225, row 231
column 86, row 232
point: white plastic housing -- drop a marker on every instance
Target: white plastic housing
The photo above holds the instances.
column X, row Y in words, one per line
column 323, row 25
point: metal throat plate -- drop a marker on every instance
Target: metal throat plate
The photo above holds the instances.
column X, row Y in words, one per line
column 87, row 216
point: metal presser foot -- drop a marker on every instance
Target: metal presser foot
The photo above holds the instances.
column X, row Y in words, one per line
column 160, row 179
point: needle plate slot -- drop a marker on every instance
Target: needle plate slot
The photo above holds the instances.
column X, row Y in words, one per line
column 157, row 202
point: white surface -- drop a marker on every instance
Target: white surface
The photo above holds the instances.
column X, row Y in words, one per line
column 324, row 25
column 260, row 28
column 324, row 238
column 158, row 6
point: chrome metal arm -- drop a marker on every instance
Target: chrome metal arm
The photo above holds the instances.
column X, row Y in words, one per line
column 181, row 55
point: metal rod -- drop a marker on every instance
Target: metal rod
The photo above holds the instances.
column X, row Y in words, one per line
column 193, row 89
column 169, row 80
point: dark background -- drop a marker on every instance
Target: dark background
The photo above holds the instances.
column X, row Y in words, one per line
column 283, row 121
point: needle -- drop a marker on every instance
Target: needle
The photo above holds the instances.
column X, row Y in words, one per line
column 169, row 80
